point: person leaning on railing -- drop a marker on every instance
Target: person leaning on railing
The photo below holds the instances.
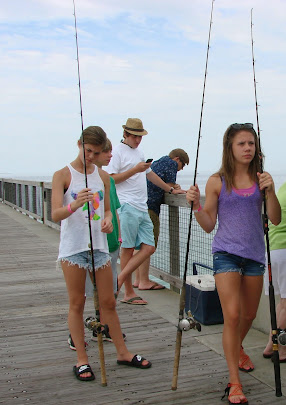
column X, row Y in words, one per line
column 166, row 168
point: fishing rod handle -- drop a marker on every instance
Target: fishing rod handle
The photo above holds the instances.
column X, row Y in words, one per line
column 179, row 338
column 276, row 362
column 177, row 359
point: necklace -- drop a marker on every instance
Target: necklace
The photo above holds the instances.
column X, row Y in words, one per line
column 125, row 143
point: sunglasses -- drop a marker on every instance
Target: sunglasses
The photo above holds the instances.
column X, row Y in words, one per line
column 183, row 163
column 247, row 125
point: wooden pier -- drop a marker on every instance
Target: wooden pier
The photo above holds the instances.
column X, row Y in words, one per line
column 36, row 362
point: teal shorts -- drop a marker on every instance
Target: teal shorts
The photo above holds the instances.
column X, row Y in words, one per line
column 136, row 227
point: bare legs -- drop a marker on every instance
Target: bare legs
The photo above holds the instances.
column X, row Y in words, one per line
column 142, row 280
column 239, row 297
column 129, row 263
column 107, row 304
column 142, row 275
column 251, row 288
column 75, row 281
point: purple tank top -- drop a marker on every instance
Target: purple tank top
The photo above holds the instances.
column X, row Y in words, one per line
column 240, row 228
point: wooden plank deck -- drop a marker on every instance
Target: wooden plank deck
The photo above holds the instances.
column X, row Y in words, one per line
column 36, row 363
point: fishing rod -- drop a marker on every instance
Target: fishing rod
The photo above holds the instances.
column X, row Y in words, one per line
column 266, row 229
column 96, row 324
column 188, row 323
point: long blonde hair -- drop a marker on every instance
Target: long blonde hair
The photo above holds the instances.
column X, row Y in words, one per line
column 227, row 166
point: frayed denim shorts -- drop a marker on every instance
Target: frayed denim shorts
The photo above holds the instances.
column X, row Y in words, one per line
column 224, row 262
column 83, row 259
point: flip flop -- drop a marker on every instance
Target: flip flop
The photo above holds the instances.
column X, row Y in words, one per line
column 85, row 368
column 135, row 362
column 153, row 287
column 131, row 301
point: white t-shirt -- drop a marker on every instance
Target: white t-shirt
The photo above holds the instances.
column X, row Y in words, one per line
column 133, row 190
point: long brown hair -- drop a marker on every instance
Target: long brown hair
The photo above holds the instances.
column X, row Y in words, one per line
column 227, row 165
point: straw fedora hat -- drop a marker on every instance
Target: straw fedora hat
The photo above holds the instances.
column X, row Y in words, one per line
column 134, row 126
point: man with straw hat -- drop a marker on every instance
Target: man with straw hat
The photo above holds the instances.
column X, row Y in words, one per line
column 129, row 170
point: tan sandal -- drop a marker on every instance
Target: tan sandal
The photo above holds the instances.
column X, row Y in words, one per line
column 237, row 391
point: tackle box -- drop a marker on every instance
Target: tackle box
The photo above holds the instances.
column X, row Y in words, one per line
column 202, row 298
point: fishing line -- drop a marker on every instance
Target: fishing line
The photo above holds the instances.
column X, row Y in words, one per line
column 276, row 361
column 189, row 323
column 97, row 324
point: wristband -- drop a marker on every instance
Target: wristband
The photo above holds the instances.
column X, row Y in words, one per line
column 171, row 190
column 199, row 209
column 120, row 240
column 69, row 208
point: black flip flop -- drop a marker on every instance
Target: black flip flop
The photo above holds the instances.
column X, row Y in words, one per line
column 85, row 368
column 131, row 301
column 135, row 362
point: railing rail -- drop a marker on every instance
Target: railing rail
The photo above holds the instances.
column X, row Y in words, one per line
column 167, row 263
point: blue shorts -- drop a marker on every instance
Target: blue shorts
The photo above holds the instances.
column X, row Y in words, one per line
column 83, row 259
column 224, row 262
column 136, row 227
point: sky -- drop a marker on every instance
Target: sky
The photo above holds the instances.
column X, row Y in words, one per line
column 143, row 59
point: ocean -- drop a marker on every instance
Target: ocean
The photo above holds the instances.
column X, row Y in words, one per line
column 185, row 179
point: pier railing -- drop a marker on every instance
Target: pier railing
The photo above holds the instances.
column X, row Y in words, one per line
column 32, row 198
column 167, row 263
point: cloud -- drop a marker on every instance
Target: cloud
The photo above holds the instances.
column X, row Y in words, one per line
column 144, row 59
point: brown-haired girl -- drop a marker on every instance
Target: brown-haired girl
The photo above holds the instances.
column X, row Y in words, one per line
column 69, row 205
column 234, row 197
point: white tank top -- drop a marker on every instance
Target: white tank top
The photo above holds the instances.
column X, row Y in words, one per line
column 75, row 229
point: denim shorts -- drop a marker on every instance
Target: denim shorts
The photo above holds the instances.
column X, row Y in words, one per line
column 136, row 227
column 83, row 259
column 224, row 262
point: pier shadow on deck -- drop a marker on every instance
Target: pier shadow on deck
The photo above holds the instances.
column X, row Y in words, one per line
column 36, row 362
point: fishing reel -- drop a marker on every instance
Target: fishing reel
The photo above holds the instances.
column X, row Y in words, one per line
column 281, row 336
column 92, row 324
column 189, row 323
